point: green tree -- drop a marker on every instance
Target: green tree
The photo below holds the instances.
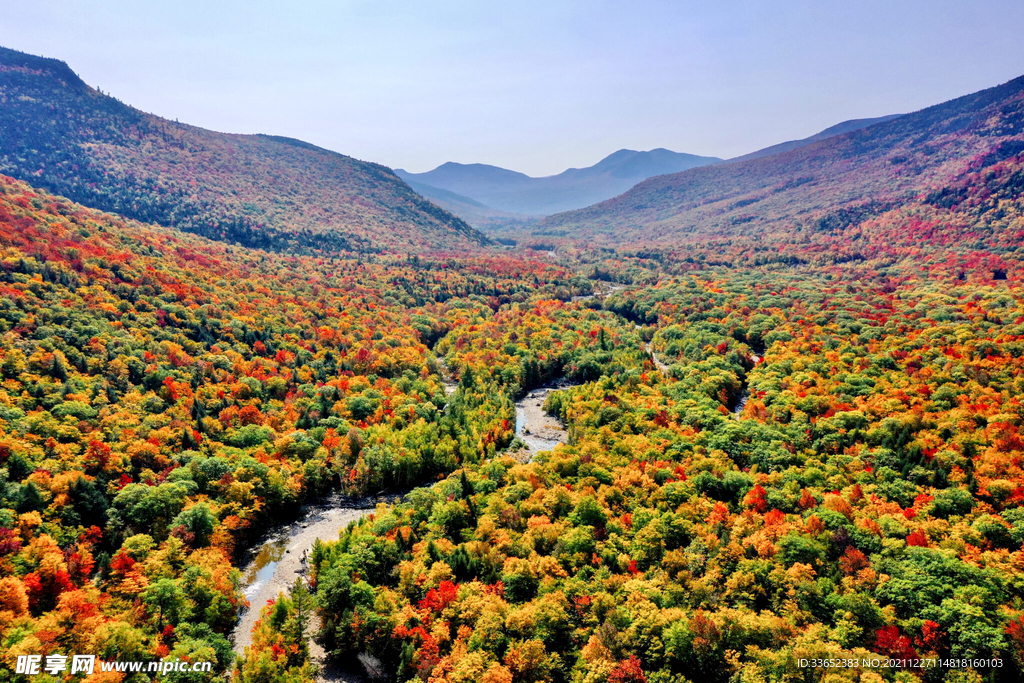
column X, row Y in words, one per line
column 198, row 522
column 166, row 597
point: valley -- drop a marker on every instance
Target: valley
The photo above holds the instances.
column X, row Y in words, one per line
column 488, row 194
column 735, row 416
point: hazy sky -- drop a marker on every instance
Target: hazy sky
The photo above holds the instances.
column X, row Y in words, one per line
column 532, row 86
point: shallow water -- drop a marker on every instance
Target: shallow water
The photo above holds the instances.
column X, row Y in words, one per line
column 741, row 402
column 654, row 357
column 261, row 569
column 447, row 380
column 538, row 430
column 281, row 558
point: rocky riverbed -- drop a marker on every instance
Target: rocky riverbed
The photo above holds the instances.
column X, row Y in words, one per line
column 534, row 427
column 283, row 556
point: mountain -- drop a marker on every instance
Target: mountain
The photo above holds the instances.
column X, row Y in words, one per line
column 518, row 193
column 259, row 190
column 845, row 179
column 473, row 212
column 490, row 196
column 831, row 131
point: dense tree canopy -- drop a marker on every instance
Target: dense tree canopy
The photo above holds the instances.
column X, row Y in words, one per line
column 773, row 454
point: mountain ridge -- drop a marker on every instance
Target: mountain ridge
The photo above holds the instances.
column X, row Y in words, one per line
column 263, row 191
column 889, row 163
column 475, row 213
column 514, row 192
column 467, row 180
column 840, row 128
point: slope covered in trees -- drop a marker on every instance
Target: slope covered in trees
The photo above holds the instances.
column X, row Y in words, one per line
column 838, row 129
column 165, row 397
column 258, row 190
column 846, row 179
column 864, row 503
column 797, row 444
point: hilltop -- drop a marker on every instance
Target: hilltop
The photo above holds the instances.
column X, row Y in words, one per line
column 258, row 190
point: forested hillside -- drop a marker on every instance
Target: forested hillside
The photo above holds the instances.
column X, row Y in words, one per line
column 258, row 190
column 791, row 436
column 837, row 182
column 830, row 468
column 831, row 131
column 165, row 396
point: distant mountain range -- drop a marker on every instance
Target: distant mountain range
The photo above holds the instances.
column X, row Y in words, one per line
column 473, row 212
column 477, row 186
column 261, row 191
column 488, row 196
column 272, row 192
column 841, row 180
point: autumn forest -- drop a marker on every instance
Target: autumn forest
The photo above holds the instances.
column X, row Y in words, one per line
column 790, row 389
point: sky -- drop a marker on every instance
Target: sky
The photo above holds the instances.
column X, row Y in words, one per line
column 534, row 86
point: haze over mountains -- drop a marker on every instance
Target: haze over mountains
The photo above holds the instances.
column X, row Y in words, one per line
column 517, row 193
column 836, row 182
column 270, row 192
column 263, row 191
column 486, row 195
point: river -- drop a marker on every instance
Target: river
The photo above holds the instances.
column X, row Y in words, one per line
column 654, row 357
column 447, row 379
column 602, row 291
column 281, row 558
column 275, row 563
column 741, row 402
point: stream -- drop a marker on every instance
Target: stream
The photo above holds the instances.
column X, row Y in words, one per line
column 744, row 396
column 275, row 564
column 741, row 401
column 602, row 291
column 654, row 357
column 447, row 380
column 534, row 427
column 281, row 557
